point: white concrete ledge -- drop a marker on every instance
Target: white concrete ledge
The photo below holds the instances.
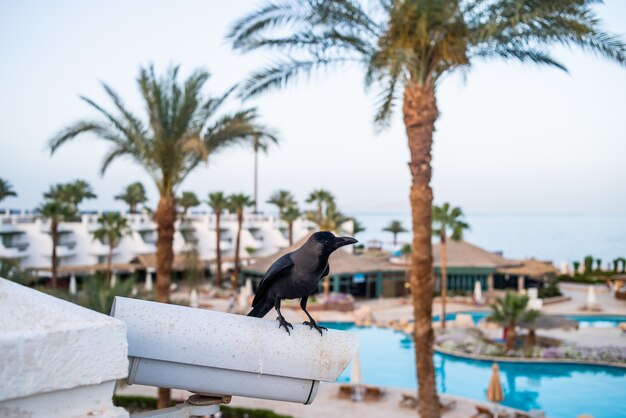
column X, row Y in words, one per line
column 50, row 346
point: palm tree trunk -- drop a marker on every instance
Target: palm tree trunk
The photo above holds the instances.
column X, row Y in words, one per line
column 444, row 278
column 395, row 239
column 218, row 250
column 290, row 233
column 110, row 262
column 54, row 234
column 256, row 179
column 420, row 114
column 237, row 247
column 165, row 217
column 510, row 336
column 132, row 208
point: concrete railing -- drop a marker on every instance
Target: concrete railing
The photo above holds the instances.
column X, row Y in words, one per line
column 57, row 359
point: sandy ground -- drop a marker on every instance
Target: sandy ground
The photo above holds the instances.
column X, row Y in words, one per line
column 328, row 404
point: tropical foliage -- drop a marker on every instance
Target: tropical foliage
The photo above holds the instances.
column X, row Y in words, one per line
column 283, row 200
column 112, row 227
column 511, row 311
column 472, row 342
column 287, row 209
column 6, row 190
column 133, row 195
column 290, row 215
column 237, row 203
column 181, row 129
column 186, row 201
column 61, row 205
column 406, row 48
column 219, row 203
column 322, row 199
column 395, row 227
column 72, row 193
column 98, row 295
column 447, row 221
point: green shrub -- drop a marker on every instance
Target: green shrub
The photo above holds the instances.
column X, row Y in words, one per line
column 145, row 403
column 235, row 412
column 549, row 292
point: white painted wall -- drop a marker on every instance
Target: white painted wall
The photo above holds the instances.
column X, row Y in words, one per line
column 58, row 359
column 268, row 238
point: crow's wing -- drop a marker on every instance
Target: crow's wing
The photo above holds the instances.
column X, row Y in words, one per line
column 274, row 272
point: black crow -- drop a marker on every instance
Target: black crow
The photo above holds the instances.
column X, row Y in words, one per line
column 296, row 275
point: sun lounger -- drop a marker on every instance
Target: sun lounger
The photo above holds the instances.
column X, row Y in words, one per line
column 484, row 412
column 369, row 393
column 535, row 413
column 409, row 401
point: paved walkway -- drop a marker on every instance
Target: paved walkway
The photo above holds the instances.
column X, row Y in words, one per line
column 328, row 404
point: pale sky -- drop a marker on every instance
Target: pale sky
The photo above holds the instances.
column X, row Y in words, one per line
column 511, row 138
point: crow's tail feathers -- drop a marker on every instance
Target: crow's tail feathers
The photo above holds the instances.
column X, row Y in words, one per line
column 260, row 310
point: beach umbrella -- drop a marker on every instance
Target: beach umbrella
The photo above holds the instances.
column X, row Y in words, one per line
column 72, row 285
column 113, row 279
column 356, row 379
column 148, row 285
column 591, row 296
column 494, row 391
column 193, row 298
column 478, row 292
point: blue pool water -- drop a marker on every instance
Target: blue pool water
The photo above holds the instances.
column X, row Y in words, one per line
column 585, row 321
column 561, row 390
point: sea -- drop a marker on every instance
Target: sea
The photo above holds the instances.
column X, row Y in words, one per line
column 557, row 238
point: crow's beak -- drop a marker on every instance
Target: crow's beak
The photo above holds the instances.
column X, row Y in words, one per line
column 341, row 241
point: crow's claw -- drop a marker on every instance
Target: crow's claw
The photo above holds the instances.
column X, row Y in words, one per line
column 284, row 323
column 313, row 324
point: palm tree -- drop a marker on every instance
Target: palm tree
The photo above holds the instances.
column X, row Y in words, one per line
column 321, row 198
column 395, row 227
column 358, row 227
column 283, row 200
column 447, row 220
column 55, row 211
column 6, row 190
column 218, row 202
column 290, row 215
column 71, row 193
column 236, row 204
column 407, row 47
column 181, row 129
column 134, row 194
column 260, row 143
column 510, row 312
column 188, row 200
column 112, row 227
column 332, row 219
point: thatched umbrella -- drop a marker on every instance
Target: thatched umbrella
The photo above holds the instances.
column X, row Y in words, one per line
column 494, row 391
column 548, row 322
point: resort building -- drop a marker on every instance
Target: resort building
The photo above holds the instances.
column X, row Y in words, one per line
column 467, row 263
column 360, row 275
column 25, row 238
column 379, row 276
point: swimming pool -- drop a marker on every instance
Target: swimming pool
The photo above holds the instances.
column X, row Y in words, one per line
column 585, row 321
column 561, row 390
